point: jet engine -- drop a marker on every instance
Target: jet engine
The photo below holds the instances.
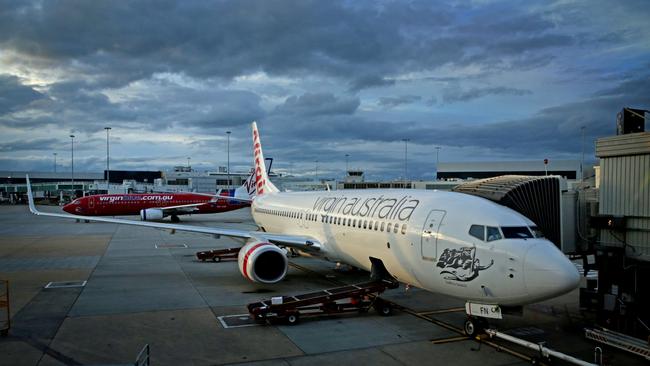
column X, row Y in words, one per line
column 263, row 262
column 151, row 214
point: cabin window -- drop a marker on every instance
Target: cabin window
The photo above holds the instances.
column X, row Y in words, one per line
column 376, row 225
column 395, row 228
column 516, row 232
column 354, row 223
column 365, row 224
column 370, row 225
column 338, row 221
column 381, row 228
column 477, row 231
column 493, row 233
column 403, row 228
column 389, row 226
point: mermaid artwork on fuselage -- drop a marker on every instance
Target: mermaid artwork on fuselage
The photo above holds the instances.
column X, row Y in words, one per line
column 461, row 264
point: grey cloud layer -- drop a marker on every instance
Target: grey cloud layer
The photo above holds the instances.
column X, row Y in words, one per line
column 119, row 63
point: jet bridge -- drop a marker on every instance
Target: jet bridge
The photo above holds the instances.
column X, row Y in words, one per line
column 538, row 198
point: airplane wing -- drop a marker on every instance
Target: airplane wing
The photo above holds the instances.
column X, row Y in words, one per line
column 293, row 241
column 189, row 208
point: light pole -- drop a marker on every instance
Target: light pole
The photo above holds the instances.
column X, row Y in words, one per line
column 188, row 163
column 72, row 166
column 316, row 161
column 437, row 160
column 406, row 144
column 108, row 166
column 346, row 163
column 228, row 165
column 582, row 162
column 54, row 161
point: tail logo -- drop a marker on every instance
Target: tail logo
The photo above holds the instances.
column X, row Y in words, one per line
column 258, row 170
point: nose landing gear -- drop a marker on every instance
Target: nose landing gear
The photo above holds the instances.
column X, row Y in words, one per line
column 474, row 326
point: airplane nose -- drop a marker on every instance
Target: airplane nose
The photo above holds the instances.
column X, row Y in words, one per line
column 68, row 208
column 548, row 273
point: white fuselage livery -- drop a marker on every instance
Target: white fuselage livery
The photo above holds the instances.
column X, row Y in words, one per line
column 423, row 239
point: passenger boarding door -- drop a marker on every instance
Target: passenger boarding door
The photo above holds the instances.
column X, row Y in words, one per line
column 430, row 234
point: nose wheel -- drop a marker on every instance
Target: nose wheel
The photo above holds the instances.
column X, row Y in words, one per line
column 474, row 326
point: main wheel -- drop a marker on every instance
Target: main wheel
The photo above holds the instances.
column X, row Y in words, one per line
column 293, row 318
column 175, row 218
column 383, row 308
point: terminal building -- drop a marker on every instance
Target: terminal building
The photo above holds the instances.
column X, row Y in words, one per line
column 569, row 169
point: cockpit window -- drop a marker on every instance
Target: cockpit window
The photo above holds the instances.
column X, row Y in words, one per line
column 477, row 231
column 76, row 202
column 537, row 232
column 516, row 232
column 493, row 233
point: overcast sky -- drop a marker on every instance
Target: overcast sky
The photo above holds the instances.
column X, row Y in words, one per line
column 483, row 80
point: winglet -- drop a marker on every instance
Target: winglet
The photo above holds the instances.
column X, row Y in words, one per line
column 30, row 197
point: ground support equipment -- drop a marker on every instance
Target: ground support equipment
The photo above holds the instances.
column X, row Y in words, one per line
column 545, row 353
column 219, row 255
column 5, row 316
column 620, row 341
column 351, row 298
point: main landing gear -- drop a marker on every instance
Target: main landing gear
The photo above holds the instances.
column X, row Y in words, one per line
column 175, row 218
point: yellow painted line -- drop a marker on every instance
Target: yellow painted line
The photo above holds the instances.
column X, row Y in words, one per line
column 448, row 340
column 442, row 311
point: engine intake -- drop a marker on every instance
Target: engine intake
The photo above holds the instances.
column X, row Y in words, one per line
column 263, row 262
column 151, row 214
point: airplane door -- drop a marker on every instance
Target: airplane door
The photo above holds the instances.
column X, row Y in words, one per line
column 91, row 202
column 430, row 234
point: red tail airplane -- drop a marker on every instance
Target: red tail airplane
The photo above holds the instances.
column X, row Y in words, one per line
column 156, row 206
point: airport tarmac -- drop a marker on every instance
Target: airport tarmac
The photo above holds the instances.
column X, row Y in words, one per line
column 145, row 286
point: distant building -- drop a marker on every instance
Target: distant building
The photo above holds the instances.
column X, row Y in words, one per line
column 569, row 169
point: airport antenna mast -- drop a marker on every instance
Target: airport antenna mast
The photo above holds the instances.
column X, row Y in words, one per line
column 108, row 166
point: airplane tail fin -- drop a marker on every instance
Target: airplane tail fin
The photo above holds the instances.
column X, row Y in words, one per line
column 262, row 182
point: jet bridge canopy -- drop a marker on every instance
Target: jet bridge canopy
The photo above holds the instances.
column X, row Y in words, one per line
column 537, row 198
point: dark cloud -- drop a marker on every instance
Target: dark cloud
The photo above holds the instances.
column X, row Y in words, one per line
column 391, row 102
column 27, row 145
column 363, row 43
column 13, row 94
column 454, row 95
column 555, row 130
column 311, row 104
column 176, row 67
column 369, row 81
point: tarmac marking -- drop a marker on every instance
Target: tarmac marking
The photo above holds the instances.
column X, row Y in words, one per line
column 449, row 340
column 169, row 246
column 442, row 311
column 237, row 321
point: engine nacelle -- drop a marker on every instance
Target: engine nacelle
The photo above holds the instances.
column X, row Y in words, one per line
column 151, row 214
column 263, row 262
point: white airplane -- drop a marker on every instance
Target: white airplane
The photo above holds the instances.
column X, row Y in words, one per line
column 444, row 242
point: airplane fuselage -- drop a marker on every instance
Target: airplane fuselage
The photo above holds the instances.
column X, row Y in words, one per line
column 132, row 204
column 423, row 238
